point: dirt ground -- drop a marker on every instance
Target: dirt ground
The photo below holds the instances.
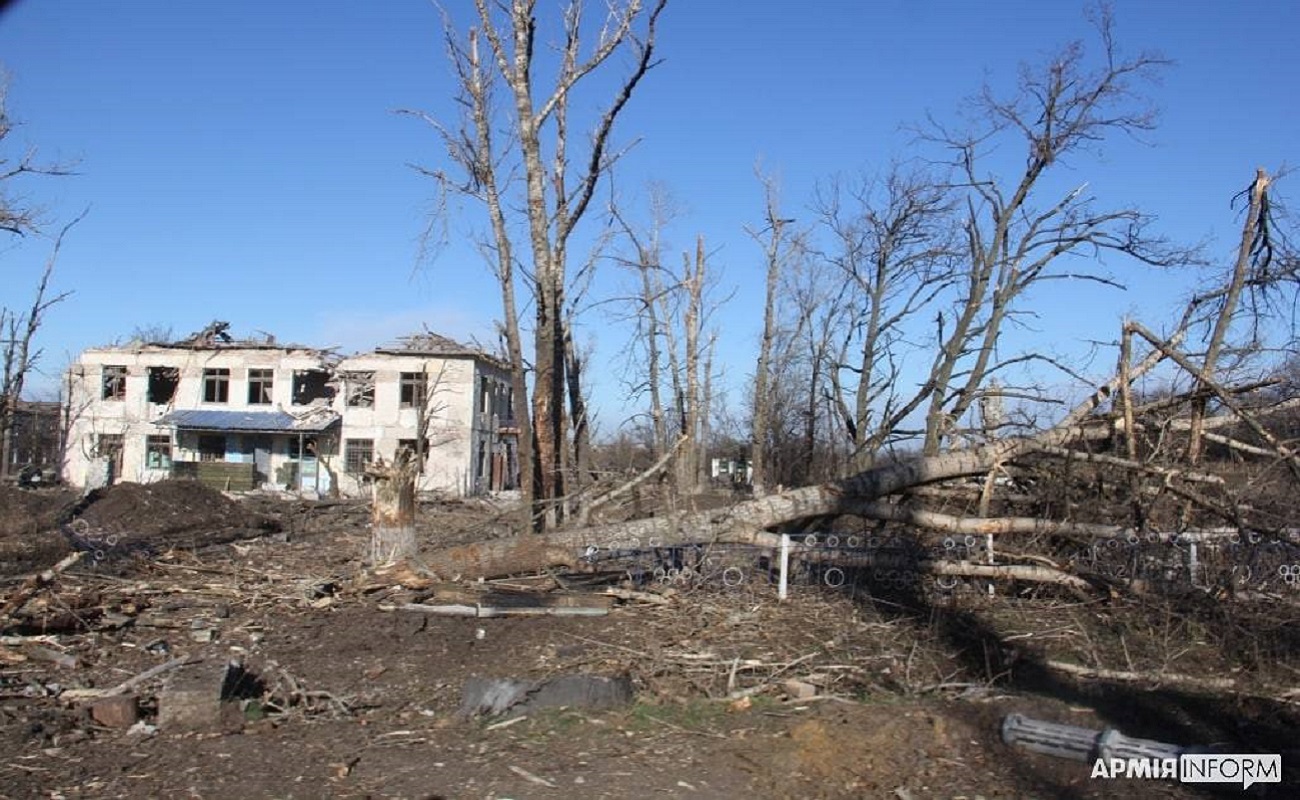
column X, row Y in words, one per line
column 860, row 692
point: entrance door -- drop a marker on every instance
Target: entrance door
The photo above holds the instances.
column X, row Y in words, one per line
column 261, row 447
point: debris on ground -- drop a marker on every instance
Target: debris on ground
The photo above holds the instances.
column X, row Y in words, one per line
column 267, row 664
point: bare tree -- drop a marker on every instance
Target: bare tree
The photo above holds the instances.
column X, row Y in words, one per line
column 18, row 326
column 1015, row 238
column 529, row 181
column 17, row 216
column 671, row 312
column 18, row 348
column 891, row 243
column 1255, row 268
column 646, row 261
column 780, row 242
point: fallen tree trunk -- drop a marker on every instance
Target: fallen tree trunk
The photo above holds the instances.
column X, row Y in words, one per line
column 948, row 523
column 1153, row 678
column 1033, row 573
column 744, row 522
column 738, row 524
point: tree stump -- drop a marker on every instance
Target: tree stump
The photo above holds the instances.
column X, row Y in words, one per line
column 392, row 538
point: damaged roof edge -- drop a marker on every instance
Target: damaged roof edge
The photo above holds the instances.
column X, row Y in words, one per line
column 215, row 339
column 316, row 419
column 433, row 344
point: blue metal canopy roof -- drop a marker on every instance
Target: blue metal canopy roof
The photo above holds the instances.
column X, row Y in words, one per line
column 311, row 421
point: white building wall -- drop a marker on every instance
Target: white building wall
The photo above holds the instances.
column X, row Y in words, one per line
column 449, row 397
column 133, row 416
column 461, row 427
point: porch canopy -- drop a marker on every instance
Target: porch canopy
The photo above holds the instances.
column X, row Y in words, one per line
column 315, row 420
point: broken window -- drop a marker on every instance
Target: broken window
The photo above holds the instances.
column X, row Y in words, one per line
column 308, row 444
column 357, row 453
column 216, row 385
column 212, row 447
column 109, row 445
column 162, row 384
column 413, row 390
column 310, row 385
column 158, row 452
column 420, row 455
column 485, row 396
column 114, row 383
column 359, row 388
column 260, row 383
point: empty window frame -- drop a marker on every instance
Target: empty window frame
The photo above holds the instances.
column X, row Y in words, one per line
column 212, row 447
column 216, row 385
column 308, row 445
column 420, row 455
column 310, row 385
column 260, row 384
column 158, row 452
column 357, row 454
column 162, row 384
column 413, row 390
column 114, row 382
column 359, row 388
column 109, row 445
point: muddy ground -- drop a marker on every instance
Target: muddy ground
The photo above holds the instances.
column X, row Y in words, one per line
column 864, row 691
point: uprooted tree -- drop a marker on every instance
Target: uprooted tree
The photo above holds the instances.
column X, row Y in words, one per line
column 889, row 491
column 964, row 250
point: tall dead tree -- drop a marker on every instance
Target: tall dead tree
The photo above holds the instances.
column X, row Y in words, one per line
column 528, row 180
column 688, row 388
column 1254, row 257
column 891, row 243
column 674, row 345
column 882, row 491
column 19, row 326
column 779, row 243
column 815, row 295
column 647, row 300
column 1015, row 237
column 18, row 350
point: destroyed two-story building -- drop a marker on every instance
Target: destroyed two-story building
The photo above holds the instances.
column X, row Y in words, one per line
column 243, row 414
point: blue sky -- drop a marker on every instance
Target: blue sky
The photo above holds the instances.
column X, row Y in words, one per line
column 242, row 160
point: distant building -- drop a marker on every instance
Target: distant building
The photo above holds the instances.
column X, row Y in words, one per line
column 243, row 414
column 731, row 470
column 34, row 442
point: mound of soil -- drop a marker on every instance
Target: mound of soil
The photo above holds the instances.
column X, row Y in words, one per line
column 29, row 519
column 25, row 511
column 37, row 528
column 171, row 513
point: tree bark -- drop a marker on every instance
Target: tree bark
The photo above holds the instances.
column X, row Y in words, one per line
column 1254, row 218
column 392, row 537
column 774, row 257
column 551, row 206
